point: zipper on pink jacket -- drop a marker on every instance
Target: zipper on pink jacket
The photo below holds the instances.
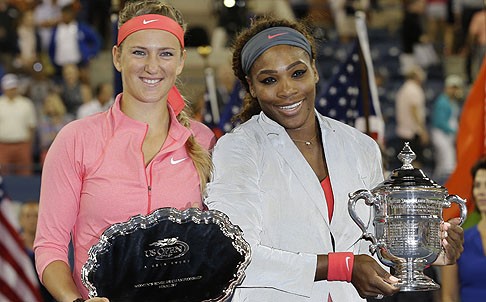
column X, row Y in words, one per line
column 148, row 180
column 149, row 205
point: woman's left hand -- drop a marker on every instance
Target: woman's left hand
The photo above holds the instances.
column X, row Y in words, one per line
column 452, row 236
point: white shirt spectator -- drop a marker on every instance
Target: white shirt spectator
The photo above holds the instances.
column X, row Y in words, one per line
column 411, row 95
column 92, row 107
column 46, row 14
column 67, row 51
column 17, row 119
column 102, row 101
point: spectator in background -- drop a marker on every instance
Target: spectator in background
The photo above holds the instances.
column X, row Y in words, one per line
column 8, row 34
column 28, row 224
column 343, row 12
column 410, row 113
column 18, row 122
column 436, row 16
column 98, row 17
column 412, row 31
column 477, row 41
column 73, row 42
column 47, row 14
column 28, row 214
column 300, row 8
column 29, row 43
column 452, row 27
column 464, row 281
column 445, row 119
column 74, row 92
column 468, row 8
column 101, row 102
column 38, row 87
column 53, row 118
column 225, row 83
column 232, row 19
column 278, row 8
column 23, row 5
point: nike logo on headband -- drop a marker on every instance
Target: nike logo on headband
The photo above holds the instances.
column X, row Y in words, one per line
column 276, row 35
column 145, row 22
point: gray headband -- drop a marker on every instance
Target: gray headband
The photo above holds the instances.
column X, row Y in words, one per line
column 268, row 38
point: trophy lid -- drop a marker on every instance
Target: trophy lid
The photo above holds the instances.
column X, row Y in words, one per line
column 407, row 176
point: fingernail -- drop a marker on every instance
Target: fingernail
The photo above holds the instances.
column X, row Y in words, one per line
column 394, row 279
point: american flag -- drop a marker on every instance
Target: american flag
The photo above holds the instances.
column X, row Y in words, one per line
column 348, row 96
column 351, row 95
column 18, row 282
column 232, row 108
column 340, row 100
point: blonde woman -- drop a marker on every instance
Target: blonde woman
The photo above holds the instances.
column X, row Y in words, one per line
column 52, row 119
column 142, row 154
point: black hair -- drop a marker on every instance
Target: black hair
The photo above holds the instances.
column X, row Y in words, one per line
column 479, row 165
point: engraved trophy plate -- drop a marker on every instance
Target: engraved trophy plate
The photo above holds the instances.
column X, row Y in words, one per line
column 168, row 255
column 407, row 217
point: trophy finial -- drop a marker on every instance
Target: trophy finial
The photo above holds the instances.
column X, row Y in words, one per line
column 406, row 156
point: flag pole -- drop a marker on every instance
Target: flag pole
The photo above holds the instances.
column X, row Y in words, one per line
column 205, row 51
column 364, row 90
column 368, row 83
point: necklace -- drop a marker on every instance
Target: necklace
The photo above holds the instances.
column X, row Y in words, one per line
column 307, row 143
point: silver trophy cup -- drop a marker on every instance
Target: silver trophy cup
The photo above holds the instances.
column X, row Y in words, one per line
column 407, row 217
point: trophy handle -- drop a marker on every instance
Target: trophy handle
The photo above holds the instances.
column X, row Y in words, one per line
column 461, row 203
column 368, row 198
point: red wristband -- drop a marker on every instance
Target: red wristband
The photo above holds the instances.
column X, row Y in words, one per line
column 340, row 266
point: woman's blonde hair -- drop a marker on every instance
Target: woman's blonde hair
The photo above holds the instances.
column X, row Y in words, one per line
column 200, row 156
column 53, row 105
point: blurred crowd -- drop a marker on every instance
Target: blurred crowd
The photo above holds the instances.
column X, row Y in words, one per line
column 46, row 51
column 47, row 48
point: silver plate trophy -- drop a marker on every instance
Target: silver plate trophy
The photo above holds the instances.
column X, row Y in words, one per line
column 407, row 217
column 168, row 255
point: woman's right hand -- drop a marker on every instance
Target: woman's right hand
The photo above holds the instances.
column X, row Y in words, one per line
column 370, row 279
column 97, row 299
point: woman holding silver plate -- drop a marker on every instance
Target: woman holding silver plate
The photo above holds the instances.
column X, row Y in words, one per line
column 144, row 153
column 284, row 176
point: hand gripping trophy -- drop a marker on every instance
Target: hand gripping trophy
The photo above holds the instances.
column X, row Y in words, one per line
column 407, row 216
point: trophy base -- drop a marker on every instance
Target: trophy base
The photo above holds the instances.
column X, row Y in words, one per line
column 415, row 282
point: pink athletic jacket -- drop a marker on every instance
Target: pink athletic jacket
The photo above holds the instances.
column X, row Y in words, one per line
column 94, row 176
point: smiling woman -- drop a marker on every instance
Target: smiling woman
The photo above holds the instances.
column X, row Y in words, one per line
column 142, row 154
column 284, row 175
